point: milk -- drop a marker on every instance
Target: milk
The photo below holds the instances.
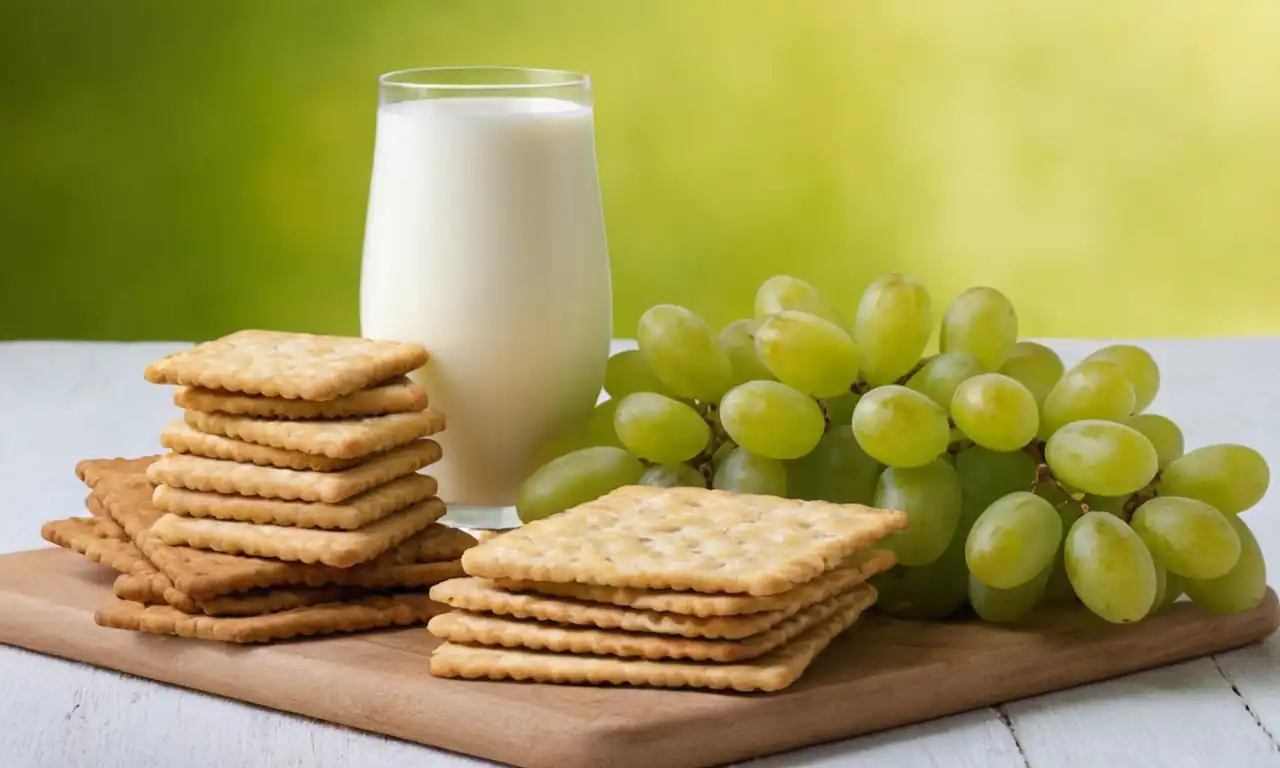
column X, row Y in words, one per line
column 485, row 243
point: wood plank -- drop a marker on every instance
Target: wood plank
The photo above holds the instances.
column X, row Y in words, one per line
column 378, row 682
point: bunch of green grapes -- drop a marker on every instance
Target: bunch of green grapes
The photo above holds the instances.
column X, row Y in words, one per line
column 1025, row 483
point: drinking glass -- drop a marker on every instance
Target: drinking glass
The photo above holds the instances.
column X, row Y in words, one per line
column 485, row 243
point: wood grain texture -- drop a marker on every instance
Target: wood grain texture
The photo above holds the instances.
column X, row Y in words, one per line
column 63, row 401
column 882, row 674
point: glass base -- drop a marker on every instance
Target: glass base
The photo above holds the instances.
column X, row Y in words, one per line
column 481, row 518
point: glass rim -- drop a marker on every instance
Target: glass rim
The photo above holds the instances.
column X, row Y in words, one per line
column 555, row 78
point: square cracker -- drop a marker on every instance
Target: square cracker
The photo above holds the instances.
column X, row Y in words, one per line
column 179, row 437
column 89, row 537
column 121, row 485
column 771, row 672
column 685, row 539
column 105, row 523
column 483, row 629
column 361, row 614
column 340, row 549
column 336, row 438
column 355, row 512
column 290, row 365
column 198, row 473
column 856, row 568
column 399, row 395
column 482, row 596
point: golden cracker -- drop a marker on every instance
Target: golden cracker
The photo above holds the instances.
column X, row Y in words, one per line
column 89, row 537
column 361, row 614
column 423, row 560
column 197, row 473
column 336, row 438
column 399, row 395
column 180, row 437
column 685, row 539
column 355, row 512
column 699, row 618
column 340, row 549
column 483, row 629
column 290, row 365
column 856, row 568
column 771, row 672
column 105, row 523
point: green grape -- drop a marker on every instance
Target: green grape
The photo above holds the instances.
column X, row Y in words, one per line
column 1058, row 590
column 1008, row 606
column 987, row 475
column 771, row 419
column 840, row 408
column 683, row 352
column 1036, row 366
column 981, row 321
column 996, row 412
column 1242, row 587
column 1162, row 587
column 672, row 476
column 659, row 429
column 1163, row 434
column 1174, row 587
column 1187, row 536
column 836, row 470
column 900, row 427
column 744, row 472
column 1112, row 505
column 782, row 292
column 808, row 353
column 1013, row 540
column 1094, row 390
column 931, row 497
column 1138, row 367
column 937, row 590
column 738, row 340
column 1101, row 457
column 1230, row 478
column 627, row 373
column 942, row 375
column 574, row 479
column 721, row 453
column 600, row 429
column 1111, row 570
column 892, row 327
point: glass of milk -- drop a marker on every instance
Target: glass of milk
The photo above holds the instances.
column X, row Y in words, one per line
column 485, row 243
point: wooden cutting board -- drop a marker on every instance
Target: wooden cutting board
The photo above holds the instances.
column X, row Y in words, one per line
column 881, row 674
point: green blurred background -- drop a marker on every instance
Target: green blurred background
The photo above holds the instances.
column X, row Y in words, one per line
column 178, row 170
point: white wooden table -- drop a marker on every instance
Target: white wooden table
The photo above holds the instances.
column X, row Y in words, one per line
column 61, row 402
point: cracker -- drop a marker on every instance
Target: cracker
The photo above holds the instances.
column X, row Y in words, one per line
column 771, row 672
column 337, row 438
column 423, row 560
column 290, row 365
column 362, row 614
column 484, row 596
column 340, row 549
column 139, row 589
column 105, row 523
column 354, row 512
column 482, row 629
column 180, row 437
column 685, row 539
column 400, row 395
column 856, row 568
column 197, row 473
column 89, row 537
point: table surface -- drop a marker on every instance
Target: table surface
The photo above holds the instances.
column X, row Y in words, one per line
column 64, row 401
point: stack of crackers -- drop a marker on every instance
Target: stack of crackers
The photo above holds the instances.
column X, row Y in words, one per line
column 291, row 502
column 679, row 587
